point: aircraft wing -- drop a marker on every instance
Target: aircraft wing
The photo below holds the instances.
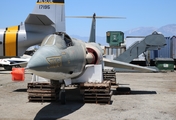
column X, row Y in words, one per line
column 4, row 62
column 14, row 61
column 38, row 19
column 119, row 64
column 18, row 63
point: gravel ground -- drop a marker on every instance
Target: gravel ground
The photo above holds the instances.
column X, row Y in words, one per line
column 153, row 97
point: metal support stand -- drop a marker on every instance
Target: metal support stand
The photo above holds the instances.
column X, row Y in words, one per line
column 62, row 94
column 146, row 59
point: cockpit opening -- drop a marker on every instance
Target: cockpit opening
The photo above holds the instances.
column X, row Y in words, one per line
column 66, row 38
column 60, row 39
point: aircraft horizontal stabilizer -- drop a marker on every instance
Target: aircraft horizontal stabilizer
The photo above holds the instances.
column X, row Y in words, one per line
column 20, row 63
column 118, row 64
column 38, row 19
column 15, row 61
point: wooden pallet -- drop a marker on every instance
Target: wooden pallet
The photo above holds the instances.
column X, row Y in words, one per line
column 42, row 92
column 97, row 97
column 42, row 98
column 96, row 85
column 110, row 76
column 96, row 92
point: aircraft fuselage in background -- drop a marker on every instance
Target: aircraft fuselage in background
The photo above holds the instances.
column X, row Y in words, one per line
column 15, row 40
column 43, row 21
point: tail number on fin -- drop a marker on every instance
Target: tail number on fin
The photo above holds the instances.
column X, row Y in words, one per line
column 44, row 6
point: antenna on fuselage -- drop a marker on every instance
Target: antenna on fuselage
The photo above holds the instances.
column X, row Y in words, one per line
column 92, row 37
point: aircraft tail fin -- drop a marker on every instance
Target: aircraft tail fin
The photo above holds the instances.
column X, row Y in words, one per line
column 48, row 12
column 92, row 37
column 93, row 29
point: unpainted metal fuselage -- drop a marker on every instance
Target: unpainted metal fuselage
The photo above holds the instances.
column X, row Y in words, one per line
column 58, row 59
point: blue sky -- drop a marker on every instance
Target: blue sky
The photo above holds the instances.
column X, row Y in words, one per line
column 138, row 13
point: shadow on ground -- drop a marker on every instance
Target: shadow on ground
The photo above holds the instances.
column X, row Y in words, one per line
column 128, row 91
column 56, row 110
column 133, row 92
column 20, row 90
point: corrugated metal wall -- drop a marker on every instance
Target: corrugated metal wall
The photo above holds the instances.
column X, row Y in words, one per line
column 114, row 51
column 164, row 52
column 173, row 46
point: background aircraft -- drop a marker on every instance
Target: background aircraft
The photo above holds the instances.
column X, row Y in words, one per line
column 8, row 63
column 46, row 18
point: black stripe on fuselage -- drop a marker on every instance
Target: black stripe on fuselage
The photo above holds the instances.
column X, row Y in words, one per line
column 4, row 42
column 17, row 40
column 50, row 1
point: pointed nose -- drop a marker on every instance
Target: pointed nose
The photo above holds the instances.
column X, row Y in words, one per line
column 39, row 61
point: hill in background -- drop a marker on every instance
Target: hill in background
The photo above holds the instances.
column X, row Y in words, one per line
column 167, row 30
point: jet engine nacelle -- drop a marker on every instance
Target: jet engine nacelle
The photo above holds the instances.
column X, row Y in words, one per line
column 94, row 53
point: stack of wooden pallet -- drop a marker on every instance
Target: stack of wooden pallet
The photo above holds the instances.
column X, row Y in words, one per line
column 110, row 75
column 42, row 92
column 96, row 92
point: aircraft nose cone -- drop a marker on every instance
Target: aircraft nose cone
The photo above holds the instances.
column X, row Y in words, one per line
column 38, row 61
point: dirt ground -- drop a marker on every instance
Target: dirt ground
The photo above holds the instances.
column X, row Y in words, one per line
column 153, row 97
